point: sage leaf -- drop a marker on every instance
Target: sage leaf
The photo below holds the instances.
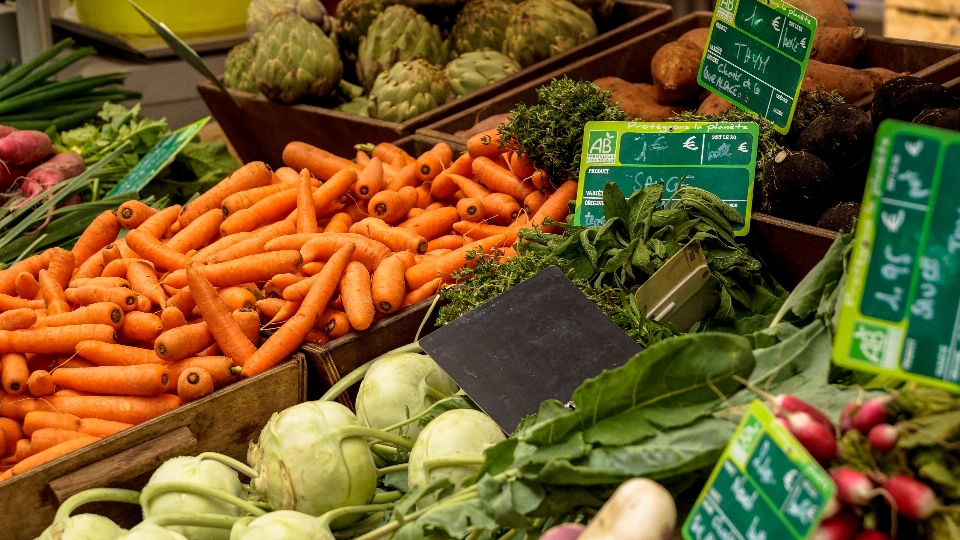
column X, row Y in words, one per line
column 615, row 203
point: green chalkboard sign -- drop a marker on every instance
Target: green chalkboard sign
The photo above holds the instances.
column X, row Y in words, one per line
column 756, row 56
column 765, row 487
column 719, row 157
column 901, row 309
column 158, row 158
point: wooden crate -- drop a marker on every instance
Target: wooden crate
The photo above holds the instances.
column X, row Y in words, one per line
column 224, row 422
column 259, row 129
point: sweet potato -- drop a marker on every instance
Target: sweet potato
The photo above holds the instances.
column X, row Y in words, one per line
column 646, row 89
column 830, row 13
column 698, row 37
column 850, row 83
column 838, row 45
column 491, row 122
column 674, row 69
column 881, row 75
column 635, row 102
column 714, row 104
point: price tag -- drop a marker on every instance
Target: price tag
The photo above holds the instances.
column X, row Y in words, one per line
column 756, row 56
column 901, row 306
column 766, row 486
column 720, row 157
column 158, row 158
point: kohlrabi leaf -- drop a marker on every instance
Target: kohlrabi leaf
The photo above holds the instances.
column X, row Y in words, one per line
column 806, row 297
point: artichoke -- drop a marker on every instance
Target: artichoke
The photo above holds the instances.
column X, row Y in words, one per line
column 239, row 72
column 261, row 12
column 295, row 59
column 539, row 29
column 408, row 89
column 355, row 18
column 398, row 34
column 481, row 25
column 357, row 105
column 474, row 70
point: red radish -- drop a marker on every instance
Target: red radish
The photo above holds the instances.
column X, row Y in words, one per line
column 564, row 531
column 6, row 130
column 832, row 507
column 8, row 175
column 71, row 200
column 915, row 500
column 794, row 404
column 853, row 487
column 883, row 437
column 871, row 413
column 818, row 440
column 55, row 170
column 846, row 416
column 24, row 147
column 842, row 526
column 871, row 534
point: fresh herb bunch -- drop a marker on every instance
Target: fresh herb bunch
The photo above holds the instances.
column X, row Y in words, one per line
column 550, row 133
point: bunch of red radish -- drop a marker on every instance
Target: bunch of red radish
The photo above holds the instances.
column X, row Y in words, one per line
column 23, row 158
column 907, row 497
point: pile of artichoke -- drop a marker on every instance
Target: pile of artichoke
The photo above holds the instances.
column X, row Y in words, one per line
column 397, row 59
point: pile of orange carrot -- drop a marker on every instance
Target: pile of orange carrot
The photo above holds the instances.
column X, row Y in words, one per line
column 120, row 330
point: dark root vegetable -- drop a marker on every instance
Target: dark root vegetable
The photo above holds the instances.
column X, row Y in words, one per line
column 798, row 186
column 840, row 218
column 843, row 138
column 929, row 117
column 914, row 100
column 950, row 120
column 888, row 93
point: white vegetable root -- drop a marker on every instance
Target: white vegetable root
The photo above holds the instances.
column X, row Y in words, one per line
column 640, row 509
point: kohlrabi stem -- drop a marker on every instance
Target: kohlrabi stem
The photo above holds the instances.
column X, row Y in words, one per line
column 333, row 515
column 386, row 497
column 189, row 519
column 399, row 521
column 365, row 525
column 234, row 464
column 416, row 417
column 150, row 492
column 362, row 431
column 510, row 534
column 392, row 468
column 451, row 461
column 434, row 393
column 384, row 448
column 95, row 495
column 354, row 376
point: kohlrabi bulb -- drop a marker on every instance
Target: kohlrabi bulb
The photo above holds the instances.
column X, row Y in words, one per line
column 203, row 472
column 282, row 525
column 147, row 531
column 83, row 527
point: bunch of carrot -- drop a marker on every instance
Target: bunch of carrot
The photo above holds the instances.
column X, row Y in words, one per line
column 118, row 331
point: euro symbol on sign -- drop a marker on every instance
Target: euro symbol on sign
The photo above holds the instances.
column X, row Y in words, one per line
column 776, row 24
column 803, row 43
column 689, row 144
column 743, row 147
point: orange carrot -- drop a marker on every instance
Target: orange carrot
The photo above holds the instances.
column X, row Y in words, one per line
column 38, row 420
column 334, row 188
column 443, row 186
column 251, row 175
column 109, row 354
column 17, row 407
column 356, row 208
column 434, row 253
column 320, row 163
column 143, row 279
column 533, row 202
column 127, row 409
column 522, row 222
column 289, row 241
column 171, row 318
column 158, row 224
column 220, row 368
column 478, row 230
column 395, row 238
column 183, row 301
column 362, row 158
column 61, row 266
column 72, row 362
column 405, row 177
column 334, row 322
column 84, row 296
column 17, row 319
column 269, row 307
column 57, row 340
column 369, row 181
column 266, row 210
column 13, row 433
column 193, row 384
column 222, row 244
column 498, row 179
column 388, row 286
column 227, row 333
column 424, row 199
column 340, row 222
column 198, row 233
column 31, row 265
column 425, row 291
column 116, row 268
column 501, row 208
column 414, row 212
column 139, row 326
column 131, row 214
column 140, row 380
column 306, row 211
column 391, row 153
column 247, row 198
column 109, row 253
column 40, row 383
column 312, row 268
column 251, row 269
column 11, row 302
column 434, row 161
column 556, row 207
column 469, row 187
column 392, row 206
column 238, row 298
column 444, row 266
column 96, row 313
column 286, row 175
column 102, row 428
column 249, row 322
column 183, row 341
column 53, row 453
column 471, row 209
column 317, row 337
column 26, row 285
column 521, row 165
column 485, row 144
column 289, row 336
column 324, row 245
column 282, row 281
column 151, row 249
column 43, row 439
column 52, row 294
column 355, row 290
column 101, row 231
column 15, row 373
column 100, row 282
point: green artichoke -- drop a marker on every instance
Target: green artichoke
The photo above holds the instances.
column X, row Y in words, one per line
column 474, row 70
column 239, row 72
column 296, row 59
column 398, row 34
column 481, row 25
column 355, row 17
column 539, row 29
column 357, row 105
column 261, row 12
column 408, row 89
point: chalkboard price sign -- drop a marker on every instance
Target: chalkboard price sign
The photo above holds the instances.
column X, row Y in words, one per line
column 901, row 309
column 719, row 157
column 756, row 56
column 765, row 487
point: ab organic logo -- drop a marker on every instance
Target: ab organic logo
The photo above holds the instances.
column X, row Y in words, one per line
column 602, row 147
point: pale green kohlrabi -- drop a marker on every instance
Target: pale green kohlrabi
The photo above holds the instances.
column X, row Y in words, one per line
column 401, row 386
column 217, row 488
column 451, row 446
column 314, row 458
column 292, row 525
column 152, row 532
column 88, row 526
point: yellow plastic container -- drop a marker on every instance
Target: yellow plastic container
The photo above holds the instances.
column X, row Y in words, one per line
column 183, row 17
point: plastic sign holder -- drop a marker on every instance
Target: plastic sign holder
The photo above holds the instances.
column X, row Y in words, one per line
column 901, row 306
column 720, row 157
column 765, row 487
column 158, row 158
column 756, row 57
column 681, row 291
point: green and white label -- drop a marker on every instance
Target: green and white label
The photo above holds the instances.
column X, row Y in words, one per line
column 719, row 157
column 901, row 307
column 756, row 56
column 766, row 486
column 158, row 158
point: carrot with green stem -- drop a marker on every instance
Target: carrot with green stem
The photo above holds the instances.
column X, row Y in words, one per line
column 227, row 333
column 362, row 158
column 101, row 232
column 388, row 286
column 556, row 207
column 112, row 354
column 158, row 224
column 193, row 384
column 444, row 266
column 434, row 161
column 251, row 175
column 15, row 373
column 198, row 233
column 250, row 269
column 425, row 291
column 501, row 208
column 355, row 290
column 324, row 245
column 306, row 211
column 127, row 409
column 131, row 214
column 141, row 380
column 151, row 249
column 320, row 163
column 370, row 180
column 139, row 326
column 27, row 286
column 289, row 336
column 18, row 319
column 40, row 383
column 86, row 295
column 395, row 238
